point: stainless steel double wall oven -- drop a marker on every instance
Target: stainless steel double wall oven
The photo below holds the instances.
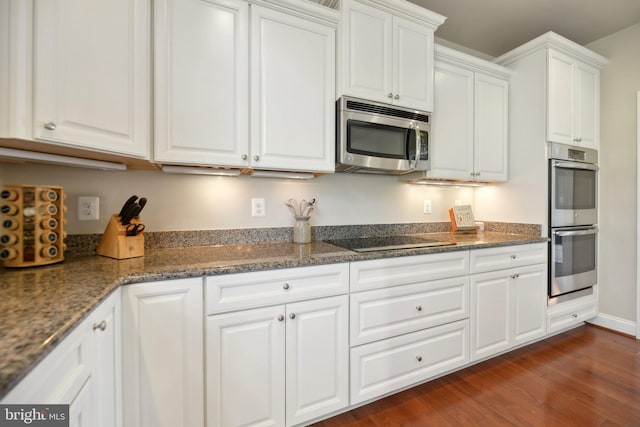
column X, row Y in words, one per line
column 573, row 215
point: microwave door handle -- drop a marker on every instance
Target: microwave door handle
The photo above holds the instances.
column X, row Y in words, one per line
column 571, row 165
column 581, row 232
column 417, row 157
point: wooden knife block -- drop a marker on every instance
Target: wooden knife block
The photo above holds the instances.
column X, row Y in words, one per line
column 115, row 243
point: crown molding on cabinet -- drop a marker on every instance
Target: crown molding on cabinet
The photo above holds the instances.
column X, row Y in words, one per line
column 460, row 59
column 555, row 41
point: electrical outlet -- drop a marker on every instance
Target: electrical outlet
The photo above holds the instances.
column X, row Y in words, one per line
column 427, row 206
column 257, row 207
column 88, row 208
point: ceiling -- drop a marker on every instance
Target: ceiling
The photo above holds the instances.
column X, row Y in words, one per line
column 494, row 27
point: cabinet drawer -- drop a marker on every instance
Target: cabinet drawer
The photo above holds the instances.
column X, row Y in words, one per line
column 492, row 259
column 246, row 290
column 385, row 313
column 572, row 313
column 385, row 366
column 383, row 273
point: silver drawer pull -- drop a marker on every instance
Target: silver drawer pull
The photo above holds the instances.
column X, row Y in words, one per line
column 50, row 125
column 285, row 286
column 574, row 315
column 419, row 308
column 102, row 325
column 280, row 318
column 513, row 256
column 292, row 316
column 419, row 358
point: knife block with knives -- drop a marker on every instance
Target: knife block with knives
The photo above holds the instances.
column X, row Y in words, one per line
column 124, row 238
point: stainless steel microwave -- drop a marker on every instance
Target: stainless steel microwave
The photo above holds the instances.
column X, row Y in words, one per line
column 377, row 138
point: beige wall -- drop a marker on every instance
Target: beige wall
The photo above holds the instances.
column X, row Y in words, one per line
column 620, row 81
column 196, row 202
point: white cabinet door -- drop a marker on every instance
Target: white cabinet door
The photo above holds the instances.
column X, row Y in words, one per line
column 529, row 303
column 587, row 104
column 162, row 350
column 560, row 98
column 292, row 92
column 490, row 314
column 452, row 130
column 573, row 109
column 201, row 82
column 366, row 55
column 91, row 74
column 508, row 308
column 317, row 358
column 106, row 327
column 246, row 368
column 81, row 410
column 491, row 112
column 412, row 65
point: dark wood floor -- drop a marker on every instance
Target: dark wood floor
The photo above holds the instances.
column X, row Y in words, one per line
column 585, row 377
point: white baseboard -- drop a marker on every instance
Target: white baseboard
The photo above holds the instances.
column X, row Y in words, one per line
column 616, row 323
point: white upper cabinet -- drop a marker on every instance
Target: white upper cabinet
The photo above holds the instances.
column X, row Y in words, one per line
column 573, row 112
column 292, row 87
column 386, row 52
column 220, row 62
column 568, row 75
column 469, row 137
column 90, row 74
column 201, row 75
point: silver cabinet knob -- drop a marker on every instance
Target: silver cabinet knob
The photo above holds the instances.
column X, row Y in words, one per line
column 396, row 97
column 514, row 256
column 102, row 325
column 419, row 308
column 292, row 316
column 390, row 95
column 245, row 157
column 285, row 286
column 50, row 125
column 574, row 315
column 515, row 276
column 256, row 157
column 419, row 358
column 280, row 318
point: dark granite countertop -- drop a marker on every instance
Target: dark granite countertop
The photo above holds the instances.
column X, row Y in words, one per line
column 40, row 306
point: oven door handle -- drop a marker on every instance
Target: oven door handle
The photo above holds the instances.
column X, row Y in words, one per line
column 573, row 165
column 578, row 232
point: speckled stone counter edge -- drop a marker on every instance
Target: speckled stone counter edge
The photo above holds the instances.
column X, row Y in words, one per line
column 86, row 243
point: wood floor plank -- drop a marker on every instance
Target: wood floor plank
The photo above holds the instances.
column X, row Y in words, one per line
column 588, row 376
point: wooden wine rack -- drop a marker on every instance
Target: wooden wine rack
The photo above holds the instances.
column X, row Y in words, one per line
column 32, row 228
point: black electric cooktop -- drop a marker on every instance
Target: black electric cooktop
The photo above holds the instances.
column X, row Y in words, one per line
column 383, row 243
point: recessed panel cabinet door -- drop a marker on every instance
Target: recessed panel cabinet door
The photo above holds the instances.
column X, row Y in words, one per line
column 491, row 314
column 317, row 358
column 245, row 368
column 560, row 98
column 587, row 105
column 366, row 52
column 491, row 128
column 292, row 92
column 452, row 130
column 162, row 354
column 530, row 303
column 413, row 62
column 201, row 82
column 92, row 74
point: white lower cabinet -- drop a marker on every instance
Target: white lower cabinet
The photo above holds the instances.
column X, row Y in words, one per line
column 83, row 371
column 277, row 345
column 508, row 306
column 162, row 353
column 408, row 321
column 276, row 366
column 385, row 366
column 569, row 314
